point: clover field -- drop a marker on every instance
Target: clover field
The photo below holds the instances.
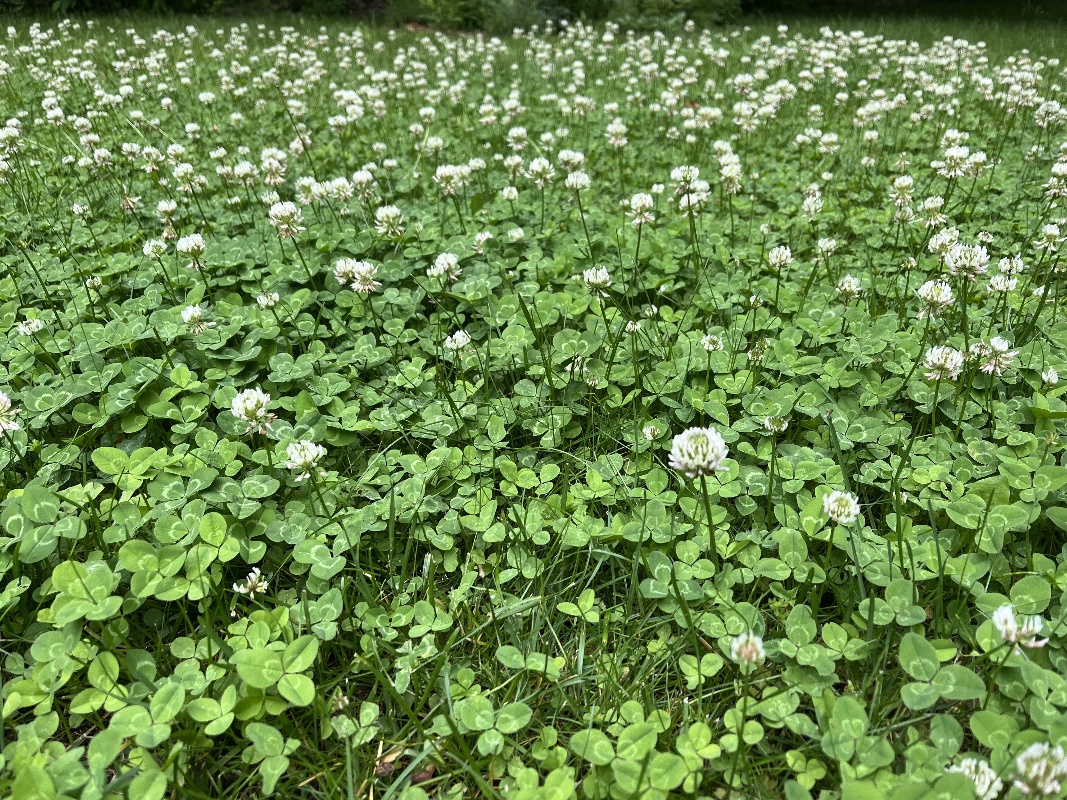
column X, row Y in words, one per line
column 576, row 414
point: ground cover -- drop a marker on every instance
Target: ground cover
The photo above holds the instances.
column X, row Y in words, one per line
column 581, row 413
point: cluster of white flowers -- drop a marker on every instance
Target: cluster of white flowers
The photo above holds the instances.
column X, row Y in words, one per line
column 747, row 650
column 696, row 452
column 286, row 218
column 841, row 507
column 193, row 316
column 1018, row 631
column 597, row 280
column 457, row 341
column 943, row 363
column 250, row 406
column 987, row 784
column 304, row 457
column 445, row 266
column 1040, row 770
column 360, row 276
column 254, row 584
column 7, row 414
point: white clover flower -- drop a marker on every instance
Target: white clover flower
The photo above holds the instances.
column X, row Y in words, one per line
column 1050, row 238
column 936, row 296
column 389, row 221
column 29, row 327
column 540, row 171
column 516, row 234
column 304, row 457
column 1050, row 377
column 445, row 266
column 359, row 274
column 841, row 507
column 597, row 280
column 779, row 258
column 457, row 341
column 747, row 650
column 286, row 218
column 154, row 248
column 641, row 209
column 1019, row 632
column 633, row 326
column 650, row 432
column 1011, row 265
column 254, row 584
column 698, row 451
column 1002, row 284
column 363, row 277
column 93, row 283
column 998, row 356
column 987, row 785
column 510, row 193
column 849, row 287
column 711, row 343
column 480, row 240
column 268, row 299
column 775, row 424
column 193, row 316
column 578, row 181
column 7, row 414
column 943, row 363
column 250, row 406
column 571, row 159
column 967, row 261
column 193, row 248
column 1039, row 769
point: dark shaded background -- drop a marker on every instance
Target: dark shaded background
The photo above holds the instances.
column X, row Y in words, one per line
column 500, row 16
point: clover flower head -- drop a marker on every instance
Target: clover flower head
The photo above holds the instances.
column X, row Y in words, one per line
column 943, row 363
column 193, row 316
column 696, row 452
column 7, row 414
column 1040, row 768
column 780, row 257
column 1018, row 631
column 936, row 296
column 987, row 785
column 775, row 424
column 445, row 266
column 286, row 218
column 254, row 584
column 597, row 280
column 747, row 650
column 711, row 343
column 841, row 507
column 250, row 406
column 578, row 181
column 29, row 327
column 999, row 356
column 849, row 287
column 389, row 221
column 457, row 341
column 304, row 457
column 192, row 247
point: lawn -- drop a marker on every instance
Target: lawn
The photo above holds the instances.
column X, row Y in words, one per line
column 580, row 413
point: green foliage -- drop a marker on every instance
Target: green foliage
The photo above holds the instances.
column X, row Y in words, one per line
column 352, row 501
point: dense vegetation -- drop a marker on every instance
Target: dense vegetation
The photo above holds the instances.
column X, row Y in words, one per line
column 585, row 413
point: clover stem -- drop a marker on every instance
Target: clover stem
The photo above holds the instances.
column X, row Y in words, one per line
column 713, row 546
